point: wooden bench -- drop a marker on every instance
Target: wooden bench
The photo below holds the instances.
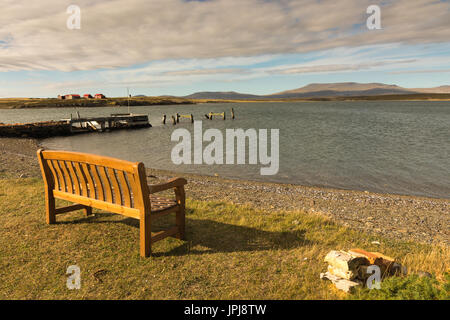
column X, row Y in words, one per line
column 113, row 185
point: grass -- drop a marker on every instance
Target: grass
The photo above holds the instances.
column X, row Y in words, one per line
column 411, row 287
column 233, row 252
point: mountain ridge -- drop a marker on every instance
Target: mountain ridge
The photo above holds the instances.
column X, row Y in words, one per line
column 322, row 90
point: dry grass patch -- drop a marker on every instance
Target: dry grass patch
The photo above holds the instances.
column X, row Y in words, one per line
column 233, row 252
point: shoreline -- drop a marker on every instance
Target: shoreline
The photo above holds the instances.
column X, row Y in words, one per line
column 50, row 103
column 401, row 217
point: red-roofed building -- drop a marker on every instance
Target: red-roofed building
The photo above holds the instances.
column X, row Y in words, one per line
column 87, row 96
column 99, row 96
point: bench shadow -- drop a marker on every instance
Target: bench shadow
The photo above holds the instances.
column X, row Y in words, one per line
column 209, row 236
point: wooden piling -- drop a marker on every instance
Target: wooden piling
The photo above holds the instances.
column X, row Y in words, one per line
column 79, row 117
column 212, row 114
column 186, row 116
column 232, row 113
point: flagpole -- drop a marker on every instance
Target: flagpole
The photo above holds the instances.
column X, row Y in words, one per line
column 128, row 97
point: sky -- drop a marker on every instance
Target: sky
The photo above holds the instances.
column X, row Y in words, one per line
column 178, row 47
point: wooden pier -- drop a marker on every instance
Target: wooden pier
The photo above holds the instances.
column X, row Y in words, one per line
column 71, row 126
column 116, row 121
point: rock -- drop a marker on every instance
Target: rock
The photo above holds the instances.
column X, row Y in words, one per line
column 373, row 257
column 348, row 275
column 387, row 264
column 341, row 284
column 424, row 274
column 345, row 261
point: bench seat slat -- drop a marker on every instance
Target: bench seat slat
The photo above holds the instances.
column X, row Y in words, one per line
column 98, row 184
column 90, row 181
column 76, row 182
column 82, row 179
column 126, row 193
column 115, row 186
column 54, row 174
column 67, row 176
column 106, row 184
column 60, row 175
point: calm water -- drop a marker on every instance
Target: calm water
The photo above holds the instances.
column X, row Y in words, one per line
column 391, row 147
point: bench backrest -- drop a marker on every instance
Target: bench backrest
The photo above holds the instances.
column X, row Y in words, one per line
column 100, row 182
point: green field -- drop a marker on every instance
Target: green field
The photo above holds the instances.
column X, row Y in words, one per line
column 20, row 103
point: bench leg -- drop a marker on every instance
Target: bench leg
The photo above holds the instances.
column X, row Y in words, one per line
column 145, row 236
column 180, row 217
column 50, row 208
column 88, row 211
column 180, row 221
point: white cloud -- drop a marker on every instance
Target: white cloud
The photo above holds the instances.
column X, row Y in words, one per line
column 160, row 74
column 120, row 33
column 419, row 71
column 327, row 68
column 206, row 71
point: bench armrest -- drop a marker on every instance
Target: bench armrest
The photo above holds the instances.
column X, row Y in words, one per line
column 172, row 183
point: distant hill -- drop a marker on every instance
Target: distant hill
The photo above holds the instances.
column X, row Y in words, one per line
column 223, row 95
column 441, row 89
column 343, row 87
column 332, row 93
column 323, row 90
column 358, row 89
